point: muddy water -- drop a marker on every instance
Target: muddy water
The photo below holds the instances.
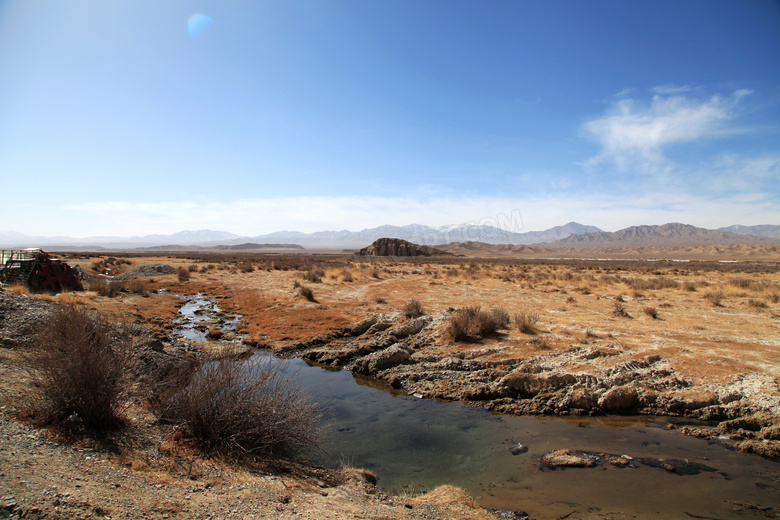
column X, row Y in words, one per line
column 415, row 444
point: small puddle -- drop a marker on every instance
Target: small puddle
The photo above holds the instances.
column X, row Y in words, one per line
column 416, row 444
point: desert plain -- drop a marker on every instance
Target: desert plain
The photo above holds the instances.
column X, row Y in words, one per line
column 686, row 336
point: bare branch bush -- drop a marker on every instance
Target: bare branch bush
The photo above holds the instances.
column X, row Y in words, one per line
column 474, row 323
column 245, row 408
column 526, row 322
column 80, row 365
column 413, row 309
column 307, row 293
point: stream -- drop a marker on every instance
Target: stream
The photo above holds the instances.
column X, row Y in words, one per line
column 413, row 445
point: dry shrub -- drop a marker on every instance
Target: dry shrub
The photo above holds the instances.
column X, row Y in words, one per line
column 307, row 293
column 413, row 309
column 136, row 286
column 245, row 408
column 620, row 311
column 380, row 300
column 646, row 284
column 540, row 342
column 80, row 366
column 314, row 276
column 526, row 323
column 715, row 298
column 651, row 311
column 751, row 285
column 689, row 286
column 183, row 274
column 473, row 323
column 758, row 304
column 214, row 334
column 103, row 286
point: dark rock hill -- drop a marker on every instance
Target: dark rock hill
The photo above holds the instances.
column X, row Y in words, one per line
column 398, row 247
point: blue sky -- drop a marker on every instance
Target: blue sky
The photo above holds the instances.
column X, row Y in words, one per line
column 126, row 118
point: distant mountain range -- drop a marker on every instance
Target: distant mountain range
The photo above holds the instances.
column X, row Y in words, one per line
column 767, row 231
column 571, row 235
column 673, row 234
column 416, row 233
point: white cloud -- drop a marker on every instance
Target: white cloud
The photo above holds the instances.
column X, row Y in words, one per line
column 633, row 134
column 734, row 173
column 670, row 88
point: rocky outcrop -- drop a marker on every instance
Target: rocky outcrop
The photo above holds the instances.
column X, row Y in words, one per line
column 398, row 247
column 392, row 356
column 408, row 355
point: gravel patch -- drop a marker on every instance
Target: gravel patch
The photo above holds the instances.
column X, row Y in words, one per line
column 19, row 317
column 142, row 271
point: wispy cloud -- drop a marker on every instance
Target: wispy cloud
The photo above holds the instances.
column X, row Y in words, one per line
column 669, row 89
column 633, row 134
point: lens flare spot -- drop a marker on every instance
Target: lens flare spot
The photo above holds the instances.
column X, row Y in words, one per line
column 198, row 25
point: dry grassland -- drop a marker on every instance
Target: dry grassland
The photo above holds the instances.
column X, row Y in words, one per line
column 680, row 338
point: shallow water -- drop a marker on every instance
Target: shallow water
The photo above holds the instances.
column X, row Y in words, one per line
column 416, row 444
column 196, row 309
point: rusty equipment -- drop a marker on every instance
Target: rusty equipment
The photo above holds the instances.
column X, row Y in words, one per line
column 38, row 271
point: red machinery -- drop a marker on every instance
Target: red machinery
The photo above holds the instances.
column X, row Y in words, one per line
column 38, row 270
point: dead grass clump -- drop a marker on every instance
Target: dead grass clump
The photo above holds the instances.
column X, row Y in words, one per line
column 526, row 322
column 748, row 284
column 103, row 286
column 619, row 311
column 413, row 309
column 651, row 311
column 243, row 408
column 80, row 365
column 307, row 293
column 647, row 284
column 379, row 300
column 689, row 286
column 136, row 286
column 715, row 298
column 314, row 276
column 183, row 274
column 540, row 342
column 20, row 289
column 758, row 304
column 470, row 323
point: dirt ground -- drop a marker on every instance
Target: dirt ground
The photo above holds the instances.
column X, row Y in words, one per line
column 697, row 338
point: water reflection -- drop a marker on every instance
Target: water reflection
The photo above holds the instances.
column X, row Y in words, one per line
column 417, row 444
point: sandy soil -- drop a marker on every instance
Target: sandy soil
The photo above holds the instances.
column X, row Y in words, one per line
column 699, row 339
